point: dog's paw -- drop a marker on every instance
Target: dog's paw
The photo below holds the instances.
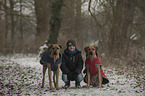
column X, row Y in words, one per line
column 99, row 86
column 42, row 86
column 51, row 88
column 57, row 88
column 86, row 86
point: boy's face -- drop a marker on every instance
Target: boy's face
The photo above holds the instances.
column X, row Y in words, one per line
column 71, row 47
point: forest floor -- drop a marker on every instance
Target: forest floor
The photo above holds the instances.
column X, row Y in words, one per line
column 21, row 75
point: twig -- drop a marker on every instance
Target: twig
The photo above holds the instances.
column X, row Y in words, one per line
column 89, row 9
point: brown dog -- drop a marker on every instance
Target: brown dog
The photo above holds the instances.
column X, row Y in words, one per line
column 91, row 53
column 51, row 59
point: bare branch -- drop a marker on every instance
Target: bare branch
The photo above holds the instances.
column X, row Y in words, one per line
column 89, row 9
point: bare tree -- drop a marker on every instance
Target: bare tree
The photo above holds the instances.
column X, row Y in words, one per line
column 43, row 13
column 2, row 34
column 123, row 15
column 71, row 22
column 2, row 29
column 139, row 23
column 12, row 22
column 78, row 24
column 118, row 24
column 55, row 21
column 6, row 22
column 21, row 23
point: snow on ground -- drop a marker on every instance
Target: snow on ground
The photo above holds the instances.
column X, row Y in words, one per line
column 22, row 74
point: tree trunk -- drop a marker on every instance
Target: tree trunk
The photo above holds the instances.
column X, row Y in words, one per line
column 6, row 22
column 123, row 17
column 2, row 32
column 55, row 21
column 71, row 22
column 78, row 24
column 42, row 10
column 2, row 35
column 12, row 22
column 21, row 24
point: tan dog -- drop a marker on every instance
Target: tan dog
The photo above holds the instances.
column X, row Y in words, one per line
column 92, row 52
column 54, row 56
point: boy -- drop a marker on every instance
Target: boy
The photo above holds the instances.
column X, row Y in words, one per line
column 72, row 65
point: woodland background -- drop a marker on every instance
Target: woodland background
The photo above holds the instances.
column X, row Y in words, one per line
column 117, row 25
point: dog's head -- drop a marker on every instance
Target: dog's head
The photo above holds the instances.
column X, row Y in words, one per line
column 54, row 49
column 91, row 50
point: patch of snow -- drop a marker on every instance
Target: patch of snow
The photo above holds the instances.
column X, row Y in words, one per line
column 93, row 43
column 119, row 85
column 41, row 48
column 133, row 37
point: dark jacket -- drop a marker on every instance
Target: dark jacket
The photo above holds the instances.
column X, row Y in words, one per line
column 71, row 63
column 46, row 59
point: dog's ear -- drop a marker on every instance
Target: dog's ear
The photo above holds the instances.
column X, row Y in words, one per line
column 96, row 48
column 50, row 46
column 60, row 46
column 86, row 49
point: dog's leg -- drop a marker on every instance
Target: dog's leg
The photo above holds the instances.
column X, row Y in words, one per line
column 44, row 71
column 50, row 76
column 54, row 74
column 57, row 77
column 99, row 76
column 88, row 76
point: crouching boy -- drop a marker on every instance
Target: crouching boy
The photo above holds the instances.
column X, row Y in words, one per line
column 72, row 65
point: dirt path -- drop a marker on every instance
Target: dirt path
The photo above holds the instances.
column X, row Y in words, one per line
column 21, row 75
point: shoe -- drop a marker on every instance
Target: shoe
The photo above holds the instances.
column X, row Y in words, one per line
column 66, row 86
column 77, row 85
